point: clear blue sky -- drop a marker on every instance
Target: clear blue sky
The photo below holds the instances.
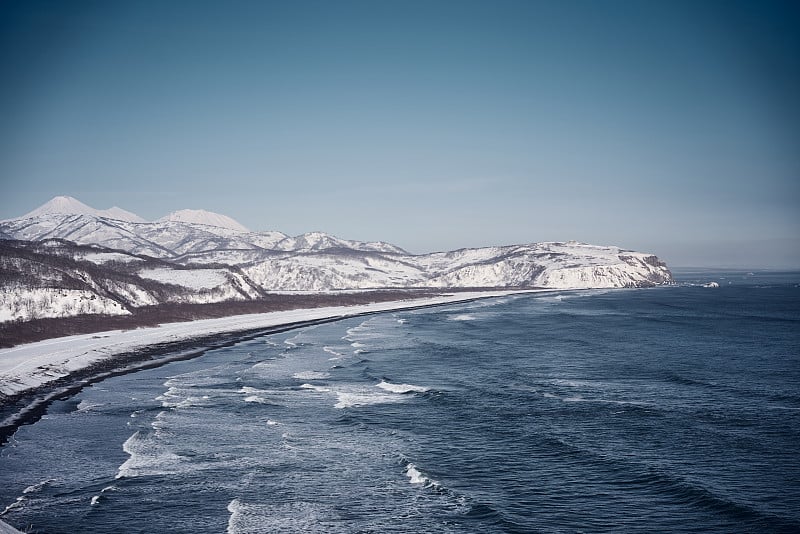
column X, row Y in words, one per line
column 669, row 127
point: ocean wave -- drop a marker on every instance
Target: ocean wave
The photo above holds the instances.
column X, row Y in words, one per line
column 402, row 388
column 247, row 390
column 257, row 399
column 314, row 388
column 85, row 406
column 39, row 486
column 247, row 517
column 462, row 317
column 169, row 400
column 147, row 457
column 20, row 501
column 14, row 505
column 354, row 399
column 332, row 351
column 97, row 498
column 415, row 476
column 311, row 375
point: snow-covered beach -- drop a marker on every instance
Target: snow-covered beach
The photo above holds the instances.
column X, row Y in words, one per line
column 33, row 374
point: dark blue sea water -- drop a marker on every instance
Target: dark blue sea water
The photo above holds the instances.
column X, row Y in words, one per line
column 669, row 409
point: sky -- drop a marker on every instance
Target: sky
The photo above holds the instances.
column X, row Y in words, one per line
column 664, row 127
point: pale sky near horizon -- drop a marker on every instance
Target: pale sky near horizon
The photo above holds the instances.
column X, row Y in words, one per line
column 666, row 127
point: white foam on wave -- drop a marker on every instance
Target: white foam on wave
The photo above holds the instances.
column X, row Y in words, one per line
column 159, row 423
column 462, row 317
column 16, row 504
column 353, row 399
column 355, row 331
column 20, row 501
column 353, row 395
column 402, row 388
column 314, row 387
column 281, row 517
column 334, row 352
column 247, row 390
column 255, row 395
column 97, row 498
column 364, row 331
column 311, row 375
column 147, row 457
column 415, row 476
column 176, row 397
column 39, row 486
column 85, row 406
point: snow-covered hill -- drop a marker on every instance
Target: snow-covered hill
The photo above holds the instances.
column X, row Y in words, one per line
column 56, row 278
column 196, row 256
column 204, row 217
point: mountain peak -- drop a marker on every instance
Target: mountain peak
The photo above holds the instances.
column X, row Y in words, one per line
column 61, row 204
column 205, row 217
column 66, row 205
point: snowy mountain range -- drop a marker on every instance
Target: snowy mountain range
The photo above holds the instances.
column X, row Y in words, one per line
column 200, row 256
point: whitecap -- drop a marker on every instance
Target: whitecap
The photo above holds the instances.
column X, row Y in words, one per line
column 16, row 504
column 281, row 517
column 462, row 317
column 176, row 397
column 247, row 390
column 334, row 352
column 85, row 406
column 315, row 388
column 402, row 388
column 311, row 375
column 39, row 486
column 147, row 457
column 352, row 399
column 415, row 476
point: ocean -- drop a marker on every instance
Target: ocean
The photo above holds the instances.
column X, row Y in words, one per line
column 671, row 409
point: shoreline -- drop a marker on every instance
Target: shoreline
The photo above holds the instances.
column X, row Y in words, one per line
column 86, row 359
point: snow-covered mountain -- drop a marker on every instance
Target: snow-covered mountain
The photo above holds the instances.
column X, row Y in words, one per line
column 213, row 258
column 65, row 205
column 204, row 217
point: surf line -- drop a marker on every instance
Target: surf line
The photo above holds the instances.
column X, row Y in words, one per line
column 29, row 406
